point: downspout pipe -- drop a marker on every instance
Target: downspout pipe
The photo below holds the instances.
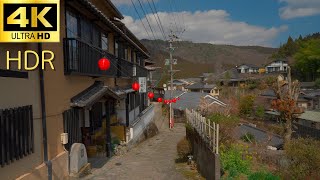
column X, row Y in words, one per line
column 44, row 117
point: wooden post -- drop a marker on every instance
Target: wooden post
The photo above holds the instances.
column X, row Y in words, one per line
column 205, row 127
column 209, row 134
column 217, row 143
column 214, row 136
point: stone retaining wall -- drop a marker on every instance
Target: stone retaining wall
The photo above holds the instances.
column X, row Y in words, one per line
column 208, row 162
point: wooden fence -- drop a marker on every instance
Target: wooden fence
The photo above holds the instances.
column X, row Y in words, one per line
column 16, row 134
column 71, row 123
column 209, row 131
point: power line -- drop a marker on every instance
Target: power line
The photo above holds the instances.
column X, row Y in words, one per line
column 180, row 18
column 140, row 19
column 147, row 19
column 173, row 14
column 157, row 20
column 155, row 8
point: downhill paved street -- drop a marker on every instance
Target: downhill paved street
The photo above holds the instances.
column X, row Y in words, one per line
column 152, row 159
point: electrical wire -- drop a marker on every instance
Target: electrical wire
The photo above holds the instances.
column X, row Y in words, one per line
column 147, row 19
column 153, row 12
column 155, row 8
column 140, row 19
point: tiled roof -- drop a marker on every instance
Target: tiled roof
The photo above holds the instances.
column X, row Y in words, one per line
column 94, row 93
column 110, row 23
column 250, row 66
column 307, row 84
column 311, row 116
column 201, row 85
column 190, row 100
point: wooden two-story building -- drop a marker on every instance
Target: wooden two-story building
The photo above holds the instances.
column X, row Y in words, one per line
column 96, row 108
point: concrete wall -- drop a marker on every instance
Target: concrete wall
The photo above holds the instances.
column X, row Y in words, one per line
column 16, row 92
column 59, row 169
column 59, row 89
column 207, row 161
column 148, row 124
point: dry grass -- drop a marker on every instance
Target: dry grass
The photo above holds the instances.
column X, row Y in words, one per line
column 188, row 172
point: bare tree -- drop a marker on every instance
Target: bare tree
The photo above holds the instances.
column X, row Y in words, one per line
column 287, row 92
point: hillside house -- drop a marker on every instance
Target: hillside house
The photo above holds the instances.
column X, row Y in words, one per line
column 306, row 102
column 248, row 68
column 179, row 84
column 277, row 66
column 204, row 87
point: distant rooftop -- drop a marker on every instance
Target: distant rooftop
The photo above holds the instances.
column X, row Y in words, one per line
column 311, row 116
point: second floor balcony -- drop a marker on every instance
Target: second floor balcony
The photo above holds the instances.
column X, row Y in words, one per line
column 81, row 58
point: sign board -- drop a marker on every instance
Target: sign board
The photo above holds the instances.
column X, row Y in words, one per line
column 30, row 21
column 143, row 84
column 175, row 62
column 167, row 63
column 134, row 73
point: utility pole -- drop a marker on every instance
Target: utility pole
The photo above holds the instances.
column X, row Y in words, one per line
column 172, row 38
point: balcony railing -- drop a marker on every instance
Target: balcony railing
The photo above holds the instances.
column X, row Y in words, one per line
column 82, row 58
column 125, row 68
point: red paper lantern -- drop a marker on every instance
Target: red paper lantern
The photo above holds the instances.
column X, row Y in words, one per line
column 159, row 99
column 166, row 101
column 150, row 95
column 136, row 86
column 174, row 100
column 104, row 64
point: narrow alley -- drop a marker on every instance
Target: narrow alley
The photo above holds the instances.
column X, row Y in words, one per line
column 152, row 159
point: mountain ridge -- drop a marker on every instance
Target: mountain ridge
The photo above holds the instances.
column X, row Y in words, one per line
column 206, row 57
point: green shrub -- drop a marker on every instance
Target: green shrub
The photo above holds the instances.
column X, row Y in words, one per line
column 227, row 124
column 304, row 158
column 246, row 105
column 183, row 149
column 260, row 112
column 252, row 85
column 234, row 161
column 262, row 175
column 248, row 137
column 116, row 141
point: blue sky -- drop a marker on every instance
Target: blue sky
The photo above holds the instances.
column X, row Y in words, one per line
column 237, row 22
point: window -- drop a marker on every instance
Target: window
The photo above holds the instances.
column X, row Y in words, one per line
column 132, row 56
column 86, row 30
column 104, row 41
column 16, row 134
column 116, row 48
column 137, row 59
column 96, row 36
column 72, row 25
column 80, row 27
column 126, row 53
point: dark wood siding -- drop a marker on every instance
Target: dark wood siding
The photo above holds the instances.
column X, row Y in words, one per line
column 16, row 134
